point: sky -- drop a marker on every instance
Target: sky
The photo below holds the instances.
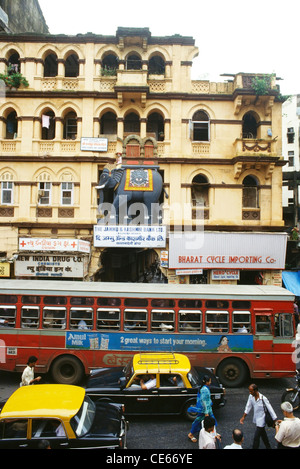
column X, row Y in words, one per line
column 257, row 36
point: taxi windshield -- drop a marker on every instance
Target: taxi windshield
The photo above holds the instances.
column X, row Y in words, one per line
column 193, row 377
column 83, row 420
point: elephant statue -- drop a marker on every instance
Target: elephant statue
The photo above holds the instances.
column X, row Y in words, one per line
column 130, row 190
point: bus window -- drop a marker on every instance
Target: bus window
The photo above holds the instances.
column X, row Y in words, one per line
column 30, row 316
column 263, row 324
column 219, row 304
column 162, row 320
column 135, row 320
column 241, row 321
column 189, row 321
column 81, row 318
column 10, row 299
column 31, row 300
column 284, row 325
column 163, row 303
column 216, row 321
column 190, row 303
column 137, row 302
column 7, row 316
column 81, row 300
column 108, row 319
column 55, row 300
column 241, row 304
column 54, row 318
column 109, row 301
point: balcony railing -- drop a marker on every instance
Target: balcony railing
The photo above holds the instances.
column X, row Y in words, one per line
column 255, row 147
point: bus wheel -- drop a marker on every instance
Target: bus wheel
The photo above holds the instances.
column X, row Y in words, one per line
column 232, row 372
column 67, row 370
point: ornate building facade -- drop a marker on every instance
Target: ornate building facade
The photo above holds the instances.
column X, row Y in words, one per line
column 93, row 100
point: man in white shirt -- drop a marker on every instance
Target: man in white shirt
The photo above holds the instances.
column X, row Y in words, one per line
column 208, row 435
column 28, row 374
column 288, row 430
column 256, row 402
column 151, row 383
column 238, row 439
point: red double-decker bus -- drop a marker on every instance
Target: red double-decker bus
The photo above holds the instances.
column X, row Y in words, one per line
column 73, row 327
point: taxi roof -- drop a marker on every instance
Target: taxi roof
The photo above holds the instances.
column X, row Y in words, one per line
column 44, row 400
column 161, row 363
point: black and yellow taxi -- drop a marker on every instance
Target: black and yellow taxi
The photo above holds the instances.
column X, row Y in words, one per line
column 154, row 383
column 60, row 417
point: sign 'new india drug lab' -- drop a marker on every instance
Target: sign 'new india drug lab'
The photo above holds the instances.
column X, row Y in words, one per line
column 211, row 250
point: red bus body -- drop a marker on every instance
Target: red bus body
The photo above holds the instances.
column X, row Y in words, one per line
column 240, row 331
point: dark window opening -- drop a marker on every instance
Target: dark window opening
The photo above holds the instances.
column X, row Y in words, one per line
column 72, row 66
column 250, row 193
column 51, row 66
column 133, row 62
column 110, row 64
column 200, row 123
column 108, row 124
column 249, row 126
column 11, row 125
column 156, row 66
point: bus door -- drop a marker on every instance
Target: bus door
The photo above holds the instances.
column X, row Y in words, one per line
column 284, row 335
column 263, row 341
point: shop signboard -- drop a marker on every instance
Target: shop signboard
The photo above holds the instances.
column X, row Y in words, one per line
column 54, row 244
column 133, row 236
column 50, row 265
column 227, row 250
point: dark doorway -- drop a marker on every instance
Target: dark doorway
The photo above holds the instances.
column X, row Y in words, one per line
column 130, row 265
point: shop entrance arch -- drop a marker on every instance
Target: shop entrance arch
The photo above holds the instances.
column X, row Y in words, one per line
column 137, row 265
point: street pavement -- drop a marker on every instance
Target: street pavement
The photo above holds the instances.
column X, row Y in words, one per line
column 170, row 433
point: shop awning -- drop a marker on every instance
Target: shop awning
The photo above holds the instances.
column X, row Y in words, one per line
column 291, row 281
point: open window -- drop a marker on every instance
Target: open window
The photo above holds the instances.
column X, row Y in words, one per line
column 250, row 125
column 200, row 129
column 250, row 192
column 72, row 66
column 51, row 65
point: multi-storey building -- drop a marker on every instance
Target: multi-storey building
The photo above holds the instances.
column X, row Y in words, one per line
column 291, row 153
column 94, row 99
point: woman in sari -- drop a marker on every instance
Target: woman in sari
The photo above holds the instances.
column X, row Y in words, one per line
column 203, row 408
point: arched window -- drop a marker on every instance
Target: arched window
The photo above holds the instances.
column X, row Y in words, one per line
column 133, row 149
column 200, row 127
column 50, row 65
column 156, row 65
column 7, row 189
column 108, row 123
column 133, row 62
column 155, row 126
column 250, row 125
column 200, row 187
column 11, row 125
column 72, row 66
column 70, row 126
column 110, row 64
column 48, row 125
column 132, row 123
column 14, row 62
column 250, row 192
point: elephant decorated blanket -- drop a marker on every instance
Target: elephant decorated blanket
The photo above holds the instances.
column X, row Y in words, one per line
column 138, row 180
